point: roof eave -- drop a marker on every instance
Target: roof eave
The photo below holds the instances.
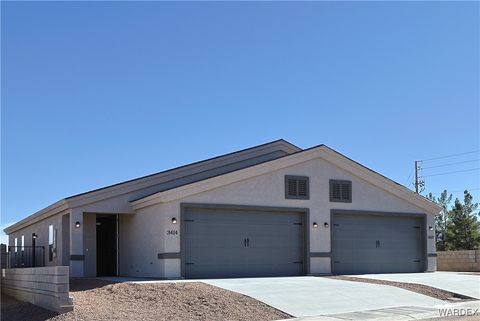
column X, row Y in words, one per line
column 320, row 151
column 53, row 209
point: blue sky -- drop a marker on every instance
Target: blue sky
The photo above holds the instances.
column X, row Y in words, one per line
column 97, row 93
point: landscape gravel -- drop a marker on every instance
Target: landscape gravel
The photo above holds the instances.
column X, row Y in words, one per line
column 414, row 287
column 101, row 300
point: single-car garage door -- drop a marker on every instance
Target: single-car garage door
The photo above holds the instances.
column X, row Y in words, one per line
column 377, row 244
column 220, row 243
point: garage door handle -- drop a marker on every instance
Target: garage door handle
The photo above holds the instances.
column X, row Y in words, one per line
column 248, row 242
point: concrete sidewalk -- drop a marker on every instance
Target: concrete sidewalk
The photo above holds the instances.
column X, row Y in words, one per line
column 315, row 296
column 404, row 313
column 464, row 283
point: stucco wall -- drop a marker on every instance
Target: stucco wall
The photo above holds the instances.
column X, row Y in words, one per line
column 89, row 244
column 41, row 229
column 145, row 234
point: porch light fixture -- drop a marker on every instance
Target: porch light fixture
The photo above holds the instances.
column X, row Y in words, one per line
column 174, row 220
column 77, row 224
column 430, row 228
column 326, row 225
column 34, row 236
column 315, row 225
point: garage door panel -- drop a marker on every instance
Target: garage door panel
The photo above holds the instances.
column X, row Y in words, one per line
column 215, row 243
column 376, row 244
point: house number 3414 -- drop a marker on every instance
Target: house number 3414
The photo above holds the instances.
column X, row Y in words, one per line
column 172, row 232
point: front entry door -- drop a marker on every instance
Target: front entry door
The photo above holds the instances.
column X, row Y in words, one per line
column 106, row 245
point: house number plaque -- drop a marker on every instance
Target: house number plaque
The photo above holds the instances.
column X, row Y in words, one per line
column 172, row 232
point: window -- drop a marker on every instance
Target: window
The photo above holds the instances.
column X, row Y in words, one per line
column 50, row 243
column 340, row 191
column 296, row 187
column 16, row 244
column 23, row 243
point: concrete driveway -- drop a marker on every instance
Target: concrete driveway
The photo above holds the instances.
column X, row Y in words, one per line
column 313, row 296
column 466, row 283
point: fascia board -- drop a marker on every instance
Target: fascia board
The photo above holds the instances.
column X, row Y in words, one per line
column 141, row 183
column 321, row 152
column 55, row 208
column 380, row 181
column 226, row 179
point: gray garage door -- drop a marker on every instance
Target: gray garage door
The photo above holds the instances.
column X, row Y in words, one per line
column 231, row 243
column 377, row 244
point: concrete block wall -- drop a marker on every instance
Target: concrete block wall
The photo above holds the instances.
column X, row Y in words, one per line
column 460, row 261
column 47, row 287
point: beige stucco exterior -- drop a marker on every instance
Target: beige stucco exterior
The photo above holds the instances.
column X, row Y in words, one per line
column 145, row 208
column 150, row 224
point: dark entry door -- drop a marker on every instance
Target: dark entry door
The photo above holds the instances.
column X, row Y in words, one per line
column 106, row 245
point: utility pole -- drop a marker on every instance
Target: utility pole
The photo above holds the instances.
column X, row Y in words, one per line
column 416, row 177
column 419, row 183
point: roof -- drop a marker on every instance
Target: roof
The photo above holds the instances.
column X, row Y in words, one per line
column 138, row 183
column 293, row 155
column 320, row 151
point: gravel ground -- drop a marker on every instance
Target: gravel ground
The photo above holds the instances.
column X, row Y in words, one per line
column 100, row 300
column 414, row 287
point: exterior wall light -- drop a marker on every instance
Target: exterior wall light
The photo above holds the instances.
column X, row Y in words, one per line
column 174, row 220
column 77, row 224
column 430, row 228
column 34, row 236
column 315, row 225
column 326, row 225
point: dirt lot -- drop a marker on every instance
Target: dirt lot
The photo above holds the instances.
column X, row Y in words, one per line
column 100, row 300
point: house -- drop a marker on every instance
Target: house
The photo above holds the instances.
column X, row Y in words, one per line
column 269, row 210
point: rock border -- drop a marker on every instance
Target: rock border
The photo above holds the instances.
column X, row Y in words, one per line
column 414, row 287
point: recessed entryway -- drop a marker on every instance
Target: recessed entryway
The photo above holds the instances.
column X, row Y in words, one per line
column 107, row 245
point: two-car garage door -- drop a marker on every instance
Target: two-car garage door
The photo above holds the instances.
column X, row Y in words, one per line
column 242, row 243
column 377, row 244
column 239, row 242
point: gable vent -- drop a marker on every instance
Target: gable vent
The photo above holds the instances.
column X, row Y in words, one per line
column 296, row 187
column 340, row 191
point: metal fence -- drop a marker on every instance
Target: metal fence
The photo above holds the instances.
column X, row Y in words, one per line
column 25, row 256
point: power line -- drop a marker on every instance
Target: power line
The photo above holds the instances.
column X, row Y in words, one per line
column 408, row 182
column 452, row 155
column 458, row 191
column 466, row 170
column 455, row 163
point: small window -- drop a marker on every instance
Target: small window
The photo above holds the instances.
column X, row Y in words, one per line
column 340, row 191
column 50, row 243
column 23, row 243
column 296, row 187
column 16, row 244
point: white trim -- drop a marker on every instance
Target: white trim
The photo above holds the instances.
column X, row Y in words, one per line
column 56, row 208
column 175, row 173
column 122, row 188
column 321, row 152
